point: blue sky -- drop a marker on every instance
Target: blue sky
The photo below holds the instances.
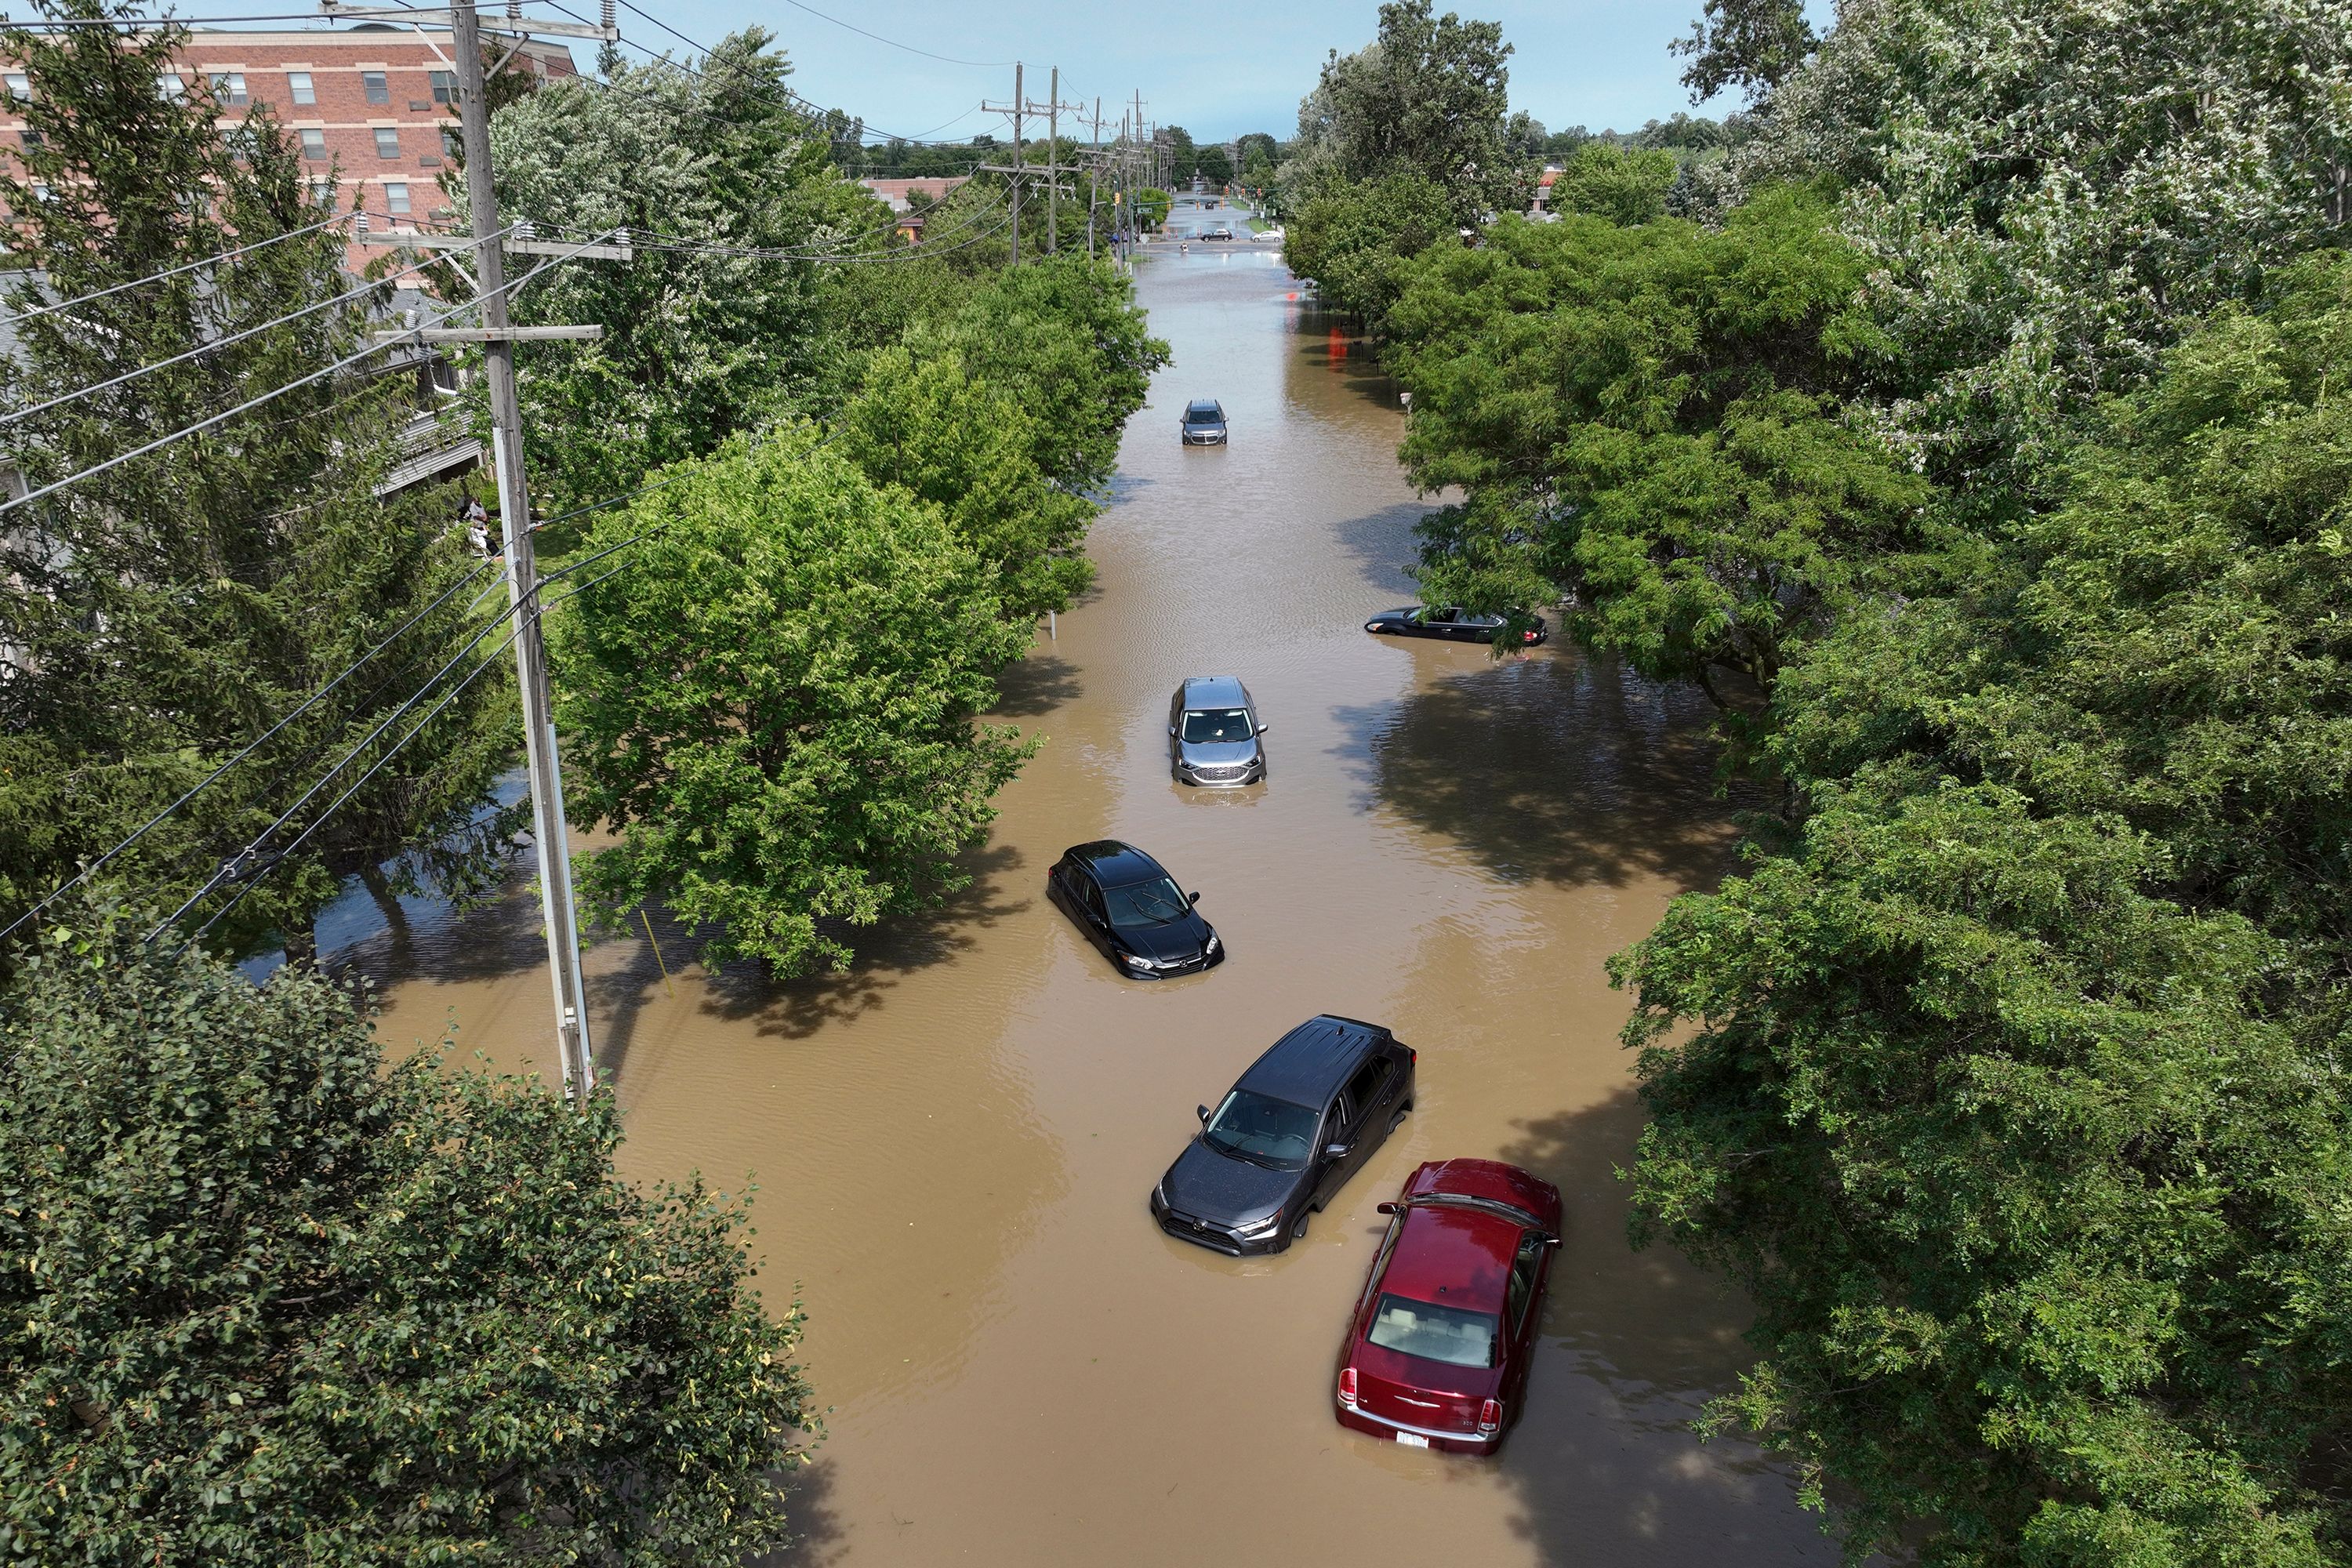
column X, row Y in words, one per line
column 1217, row 68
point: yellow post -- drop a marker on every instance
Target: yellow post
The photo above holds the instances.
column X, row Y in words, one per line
column 657, row 952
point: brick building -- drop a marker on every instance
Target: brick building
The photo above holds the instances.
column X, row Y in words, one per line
column 369, row 106
column 897, row 194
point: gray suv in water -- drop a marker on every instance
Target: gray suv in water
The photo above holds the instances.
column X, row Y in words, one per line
column 1212, row 733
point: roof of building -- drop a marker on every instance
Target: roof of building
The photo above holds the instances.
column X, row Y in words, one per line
column 896, row 192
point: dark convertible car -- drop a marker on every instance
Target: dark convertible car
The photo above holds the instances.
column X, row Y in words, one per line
column 1451, row 621
column 1130, row 907
column 1285, row 1140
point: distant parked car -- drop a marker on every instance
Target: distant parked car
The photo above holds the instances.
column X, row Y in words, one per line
column 1220, row 232
column 1287, row 1137
column 1272, row 232
column 1128, row 905
column 1451, row 622
column 1212, row 733
column 1437, row 1353
column 1204, row 422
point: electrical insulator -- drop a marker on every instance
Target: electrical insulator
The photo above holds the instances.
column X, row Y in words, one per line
column 610, row 16
column 524, row 230
column 359, row 225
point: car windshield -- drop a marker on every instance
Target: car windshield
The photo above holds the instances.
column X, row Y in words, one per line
column 1145, row 904
column 1197, row 414
column 1450, row 1334
column 1272, row 1131
column 1217, row 724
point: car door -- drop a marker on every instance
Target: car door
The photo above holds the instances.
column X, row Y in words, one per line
column 1340, row 1122
column 1528, row 1266
column 1482, row 628
column 1373, row 1092
column 1090, row 909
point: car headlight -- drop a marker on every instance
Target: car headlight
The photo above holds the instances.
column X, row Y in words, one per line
column 1212, row 947
column 1266, row 1226
column 1132, row 962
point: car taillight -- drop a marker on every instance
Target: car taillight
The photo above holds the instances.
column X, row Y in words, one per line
column 1348, row 1387
column 1526, row 637
column 1490, row 1417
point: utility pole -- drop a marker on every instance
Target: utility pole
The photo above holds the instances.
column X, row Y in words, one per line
column 1094, row 172
column 1020, row 160
column 1018, row 169
column 573, row 1042
column 1053, row 170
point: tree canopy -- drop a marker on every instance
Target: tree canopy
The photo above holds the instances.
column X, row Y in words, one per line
column 160, row 616
column 2017, row 1097
column 774, row 707
column 1647, row 419
column 269, row 1300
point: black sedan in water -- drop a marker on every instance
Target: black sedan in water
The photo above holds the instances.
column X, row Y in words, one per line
column 1128, row 906
column 1285, row 1140
column 1454, row 624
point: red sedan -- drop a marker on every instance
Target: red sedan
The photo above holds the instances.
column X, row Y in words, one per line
column 1438, row 1349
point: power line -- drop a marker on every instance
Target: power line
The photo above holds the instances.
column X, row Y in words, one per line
column 173, row 272
column 215, row 777
column 252, row 403
column 214, row 344
column 947, row 60
column 323, row 818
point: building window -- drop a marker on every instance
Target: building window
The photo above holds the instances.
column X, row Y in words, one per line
column 32, row 139
column 379, row 90
column 169, row 85
column 314, row 144
column 299, row 84
column 322, row 192
column 396, row 197
column 450, row 148
column 387, row 141
column 229, row 88
column 40, row 192
column 19, row 84
column 444, row 87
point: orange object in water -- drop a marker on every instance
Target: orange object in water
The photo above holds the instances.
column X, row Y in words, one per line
column 1338, row 344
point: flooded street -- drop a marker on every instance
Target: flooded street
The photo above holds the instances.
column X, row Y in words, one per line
column 953, row 1144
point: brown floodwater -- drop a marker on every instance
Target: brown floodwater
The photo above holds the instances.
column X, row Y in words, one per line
column 953, row 1143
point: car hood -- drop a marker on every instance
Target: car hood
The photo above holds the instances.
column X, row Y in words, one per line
column 1209, row 753
column 1178, row 939
column 1225, row 1191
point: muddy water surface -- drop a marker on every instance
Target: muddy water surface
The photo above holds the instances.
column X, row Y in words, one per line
column 954, row 1143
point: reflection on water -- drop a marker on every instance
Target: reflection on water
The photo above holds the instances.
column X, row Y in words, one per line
column 953, row 1141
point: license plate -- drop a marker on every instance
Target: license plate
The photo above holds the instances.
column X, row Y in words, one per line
column 1413, row 1439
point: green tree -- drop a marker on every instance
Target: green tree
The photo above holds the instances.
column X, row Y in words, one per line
column 1355, row 240
column 698, row 342
column 1183, row 158
column 966, row 443
column 774, row 705
column 1649, row 419
column 2044, row 234
column 1065, row 338
column 1746, row 44
column 1608, row 181
column 1429, row 96
column 160, row 615
column 1152, row 206
column 268, row 1301
column 1214, row 164
column 2017, row 1095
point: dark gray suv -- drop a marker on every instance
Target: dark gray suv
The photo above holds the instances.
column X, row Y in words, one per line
column 1212, row 733
column 1285, row 1139
column 1204, row 422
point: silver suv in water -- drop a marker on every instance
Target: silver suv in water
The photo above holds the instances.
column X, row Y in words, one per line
column 1212, row 733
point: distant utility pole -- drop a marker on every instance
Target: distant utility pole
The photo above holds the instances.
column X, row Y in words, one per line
column 498, row 337
column 1020, row 159
column 1094, row 171
column 1051, row 109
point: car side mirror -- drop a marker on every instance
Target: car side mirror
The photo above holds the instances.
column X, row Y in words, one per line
column 1262, row 729
column 1387, row 1208
column 1551, row 1241
column 1204, row 1114
column 1171, row 729
column 1336, row 1151
column 1194, row 897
